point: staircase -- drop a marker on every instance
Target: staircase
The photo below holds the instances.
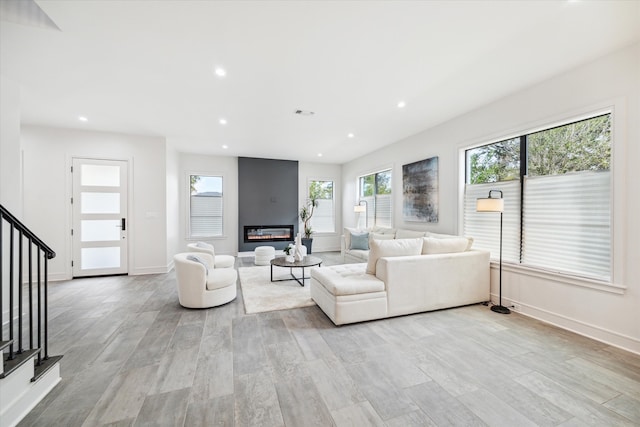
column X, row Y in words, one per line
column 27, row 372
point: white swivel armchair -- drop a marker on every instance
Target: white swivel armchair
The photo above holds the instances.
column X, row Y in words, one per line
column 220, row 261
column 200, row 284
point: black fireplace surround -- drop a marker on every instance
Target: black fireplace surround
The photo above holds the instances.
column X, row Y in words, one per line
column 267, row 194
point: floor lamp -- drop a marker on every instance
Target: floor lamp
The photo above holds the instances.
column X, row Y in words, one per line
column 495, row 204
column 360, row 210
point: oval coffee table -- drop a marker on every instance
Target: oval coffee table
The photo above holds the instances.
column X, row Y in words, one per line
column 307, row 261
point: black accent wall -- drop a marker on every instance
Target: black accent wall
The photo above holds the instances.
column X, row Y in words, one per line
column 267, row 195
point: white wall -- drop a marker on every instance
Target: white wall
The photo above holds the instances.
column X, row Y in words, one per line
column 610, row 314
column 322, row 242
column 173, row 204
column 10, row 152
column 47, row 191
column 10, row 172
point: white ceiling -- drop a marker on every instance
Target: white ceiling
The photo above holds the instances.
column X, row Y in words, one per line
column 146, row 67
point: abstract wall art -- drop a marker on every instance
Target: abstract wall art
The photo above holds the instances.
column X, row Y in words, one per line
column 420, row 191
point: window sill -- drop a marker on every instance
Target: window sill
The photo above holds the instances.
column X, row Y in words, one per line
column 201, row 238
column 555, row 276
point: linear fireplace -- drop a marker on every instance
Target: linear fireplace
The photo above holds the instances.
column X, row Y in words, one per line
column 268, row 233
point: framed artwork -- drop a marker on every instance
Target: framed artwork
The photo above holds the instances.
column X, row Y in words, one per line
column 420, row 191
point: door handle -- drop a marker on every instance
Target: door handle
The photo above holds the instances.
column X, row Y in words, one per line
column 123, row 224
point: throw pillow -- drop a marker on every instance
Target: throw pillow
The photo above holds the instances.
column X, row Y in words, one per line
column 204, row 245
column 391, row 248
column 347, row 236
column 200, row 260
column 432, row 245
column 449, row 236
column 360, row 241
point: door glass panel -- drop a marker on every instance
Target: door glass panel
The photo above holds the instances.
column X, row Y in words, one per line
column 100, row 230
column 93, row 258
column 100, row 203
column 100, row 175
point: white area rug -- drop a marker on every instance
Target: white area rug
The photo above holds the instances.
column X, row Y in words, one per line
column 260, row 294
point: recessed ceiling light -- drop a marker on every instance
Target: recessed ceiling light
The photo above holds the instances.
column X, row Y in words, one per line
column 319, row 154
column 223, row 121
column 225, row 146
column 83, row 118
column 402, row 104
column 220, row 72
column 350, row 135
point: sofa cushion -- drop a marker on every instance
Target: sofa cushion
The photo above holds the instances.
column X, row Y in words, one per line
column 221, row 278
column 402, row 233
column 347, row 279
column 432, row 245
column 381, row 236
column 450, row 236
column 391, row 248
column 383, row 230
column 359, row 241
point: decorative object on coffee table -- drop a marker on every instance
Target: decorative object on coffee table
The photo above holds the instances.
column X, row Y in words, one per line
column 289, row 253
column 495, row 204
column 298, row 253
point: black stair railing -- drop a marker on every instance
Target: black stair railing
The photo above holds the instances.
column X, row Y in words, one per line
column 36, row 316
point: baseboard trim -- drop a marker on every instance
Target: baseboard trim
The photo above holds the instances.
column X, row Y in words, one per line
column 151, row 270
column 579, row 327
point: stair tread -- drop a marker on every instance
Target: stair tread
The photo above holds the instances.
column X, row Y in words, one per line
column 18, row 360
column 44, row 366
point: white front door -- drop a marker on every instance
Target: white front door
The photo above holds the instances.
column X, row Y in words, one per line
column 100, row 222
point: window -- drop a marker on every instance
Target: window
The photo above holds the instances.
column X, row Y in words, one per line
column 556, row 186
column 205, row 206
column 375, row 189
column 323, row 220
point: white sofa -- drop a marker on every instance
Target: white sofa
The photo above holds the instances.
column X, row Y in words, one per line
column 355, row 254
column 393, row 283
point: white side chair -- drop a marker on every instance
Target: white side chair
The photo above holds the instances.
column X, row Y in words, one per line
column 200, row 284
column 221, row 261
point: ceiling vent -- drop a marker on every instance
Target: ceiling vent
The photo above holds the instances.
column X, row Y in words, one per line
column 304, row 113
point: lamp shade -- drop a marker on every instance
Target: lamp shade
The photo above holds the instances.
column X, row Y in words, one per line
column 490, row 205
column 359, row 208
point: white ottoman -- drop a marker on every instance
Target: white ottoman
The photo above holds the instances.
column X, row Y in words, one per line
column 264, row 255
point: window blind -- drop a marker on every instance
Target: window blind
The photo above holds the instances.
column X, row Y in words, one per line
column 567, row 223
column 484, row 227
column 382, row 210
column 323, row 218
column 206, row 215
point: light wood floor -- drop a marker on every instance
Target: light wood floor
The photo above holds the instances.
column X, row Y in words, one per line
column 133, row 356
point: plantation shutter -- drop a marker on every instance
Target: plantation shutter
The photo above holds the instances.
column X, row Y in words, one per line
column 567, row 223
column 484, row 227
